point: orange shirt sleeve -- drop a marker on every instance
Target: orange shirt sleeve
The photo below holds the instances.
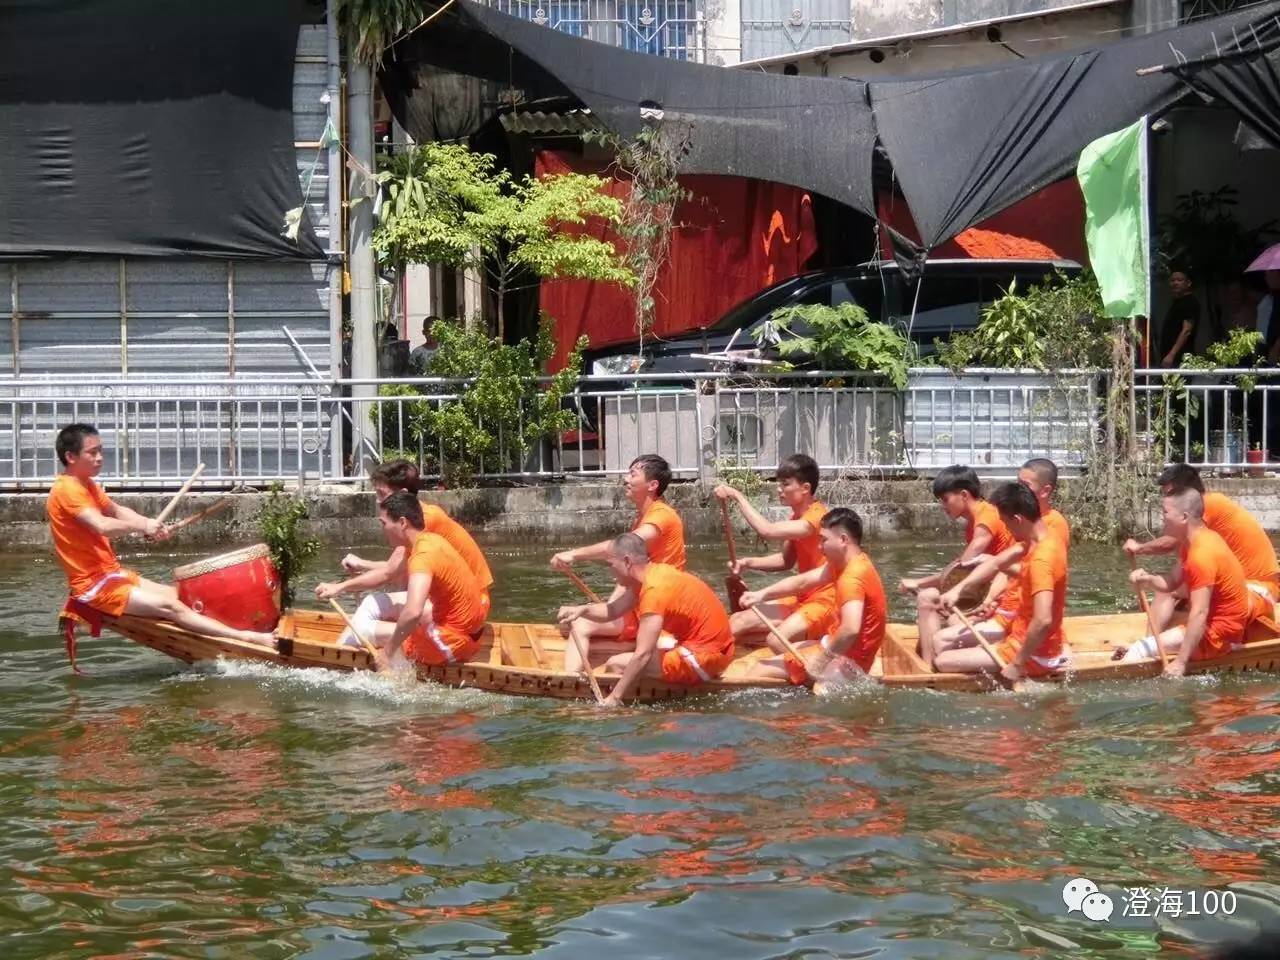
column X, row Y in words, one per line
column 420, row 560
column 654, row 593
column 1198, row 568
column 1039, row 576
column 852, row 588
column 813, row 516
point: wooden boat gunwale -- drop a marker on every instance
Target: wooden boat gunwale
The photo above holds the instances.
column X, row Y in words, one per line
column 303, row 644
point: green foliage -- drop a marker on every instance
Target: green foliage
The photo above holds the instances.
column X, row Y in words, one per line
column 493, row 420
column 444, row 202
column 371, row 26
column 840, row 338
column 1056, row 325
column 279, row 522
column 739, row 477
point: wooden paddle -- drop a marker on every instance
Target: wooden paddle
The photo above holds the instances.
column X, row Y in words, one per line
column 582, row 651
column 582, row 585
column 1146, row 608
column 786, row 644
column 734, row 585
column 177, row 497
column 369, row 648
column 991, row 651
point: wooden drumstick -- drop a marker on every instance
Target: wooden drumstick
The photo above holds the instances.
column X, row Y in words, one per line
column 177, row 497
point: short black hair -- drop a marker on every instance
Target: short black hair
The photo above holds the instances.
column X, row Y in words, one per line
column 802, row 468
column 428, row 322
column 403, row 505
column 654, row 468
column 631, row 545
column 71, row 439
column 1046, row 470
column 955, row 479
column 846, row 520
column 398, row 475
column 1015, row 500
column 1180, row 476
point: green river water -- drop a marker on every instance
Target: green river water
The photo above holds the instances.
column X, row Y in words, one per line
column 154, row 810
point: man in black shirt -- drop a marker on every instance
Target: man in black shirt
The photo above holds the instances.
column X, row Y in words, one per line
column 1177, row 336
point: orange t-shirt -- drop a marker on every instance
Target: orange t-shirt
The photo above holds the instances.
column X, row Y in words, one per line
column 1207, row 561
column 1243, row 535
column 1058, row 526
column 1043, row 568
column 690, row 610
column 808, row 552
column 860, row 581
column 456, row 535
column 86, row 556
column 454, row 593
column 668, row 546
column 986, row 515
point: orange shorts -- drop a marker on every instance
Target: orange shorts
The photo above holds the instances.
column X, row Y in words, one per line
column 432, row 645
column 1035, row 666
column 819, row 613
column 110, row 595
column 682, row 665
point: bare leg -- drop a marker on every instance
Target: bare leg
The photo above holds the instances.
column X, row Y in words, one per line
column 1163, row 606
column 617, row 664
column 928, row 616
column 1145, row 649
column 959, row 637
column 747, row 628
column 585, row 631
column 775, row 668
column 145, row 600
column 964, row 660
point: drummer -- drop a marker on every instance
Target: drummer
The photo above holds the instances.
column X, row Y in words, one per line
column 84, row 520
column 386, row 479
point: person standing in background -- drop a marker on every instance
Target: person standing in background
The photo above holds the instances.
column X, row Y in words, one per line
column 1177, row 335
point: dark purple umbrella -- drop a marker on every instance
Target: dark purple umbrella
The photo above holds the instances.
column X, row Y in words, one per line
column 1269, row 259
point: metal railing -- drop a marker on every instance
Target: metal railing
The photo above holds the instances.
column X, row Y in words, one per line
column 328, row 431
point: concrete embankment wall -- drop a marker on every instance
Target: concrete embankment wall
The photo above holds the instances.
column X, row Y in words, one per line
column 565, row 513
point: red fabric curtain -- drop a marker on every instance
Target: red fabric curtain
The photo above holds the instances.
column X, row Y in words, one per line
column 734, row 237
column 1048, row 225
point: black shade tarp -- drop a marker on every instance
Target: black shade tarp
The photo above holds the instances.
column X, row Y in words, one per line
column 811, row 133
column 966, row 145
column 149, row 127
column 1247, row 81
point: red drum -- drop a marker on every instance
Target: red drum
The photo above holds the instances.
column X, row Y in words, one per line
column 240, row 589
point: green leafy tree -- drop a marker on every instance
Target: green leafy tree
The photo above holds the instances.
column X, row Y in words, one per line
column 371, row 26
column 280, row 521
column 501, row 412
column 840, row 338
column 449, row 205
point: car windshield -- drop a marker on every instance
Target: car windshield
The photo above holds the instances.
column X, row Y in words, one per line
column 762, row 304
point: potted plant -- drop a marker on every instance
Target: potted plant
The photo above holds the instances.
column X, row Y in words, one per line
column 1256, row 455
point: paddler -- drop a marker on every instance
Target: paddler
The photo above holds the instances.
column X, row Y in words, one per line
column 1207, row 571
column 1035, row 646
column 959, row 494
column 1243, row 535
column 656, row 523
column 84, row 520
column 668, row 603
column 442, row 614
column 858, row 631
column 1040, row 476
column 806, row 616
column 386, row 479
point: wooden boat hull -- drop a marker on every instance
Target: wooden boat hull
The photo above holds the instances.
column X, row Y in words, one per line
column 522, row 659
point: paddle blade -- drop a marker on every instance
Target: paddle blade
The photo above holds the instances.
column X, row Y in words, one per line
column 735, row 587
column 840, row 676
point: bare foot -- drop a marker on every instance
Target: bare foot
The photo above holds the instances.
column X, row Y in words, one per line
column 261, row 639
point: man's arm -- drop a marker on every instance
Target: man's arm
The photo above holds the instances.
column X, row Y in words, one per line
column 646, row 646
column 983, row 572
column 765, row 528
column 118, row 521
column 620, row 604
column 1167, row 583
column 596, row 551
column 1197, row 621
column 375, row 576
column 1037, row 630
column 974, row 548
column 1159, row 545
column 1183, row 336
column 845, row 635
column 790, row 586
column 411, row 612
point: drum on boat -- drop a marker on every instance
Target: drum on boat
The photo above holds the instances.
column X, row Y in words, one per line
column 240, row 588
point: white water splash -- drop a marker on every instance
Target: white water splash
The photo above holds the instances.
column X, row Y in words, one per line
column 399, row 687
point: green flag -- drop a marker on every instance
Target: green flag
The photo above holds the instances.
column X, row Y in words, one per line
column 1113, row 178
